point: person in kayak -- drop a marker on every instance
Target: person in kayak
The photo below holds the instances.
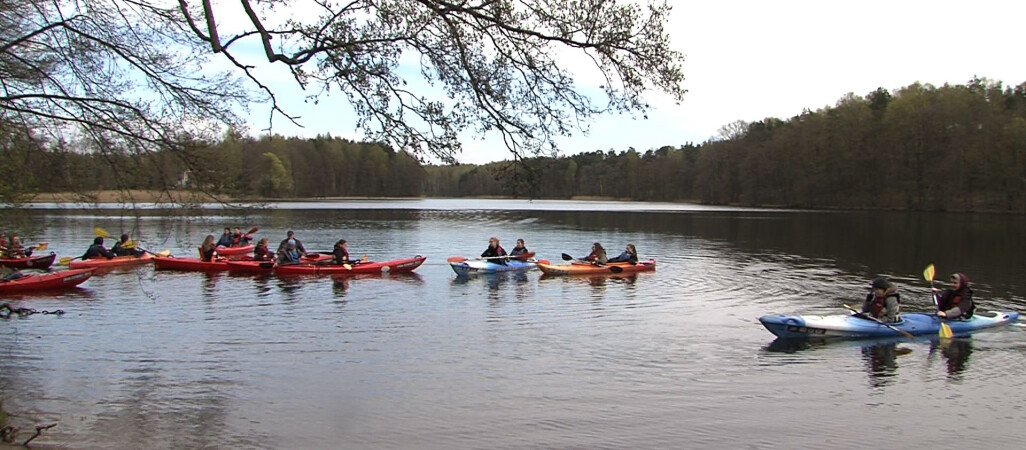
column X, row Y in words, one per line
column 291, row 236
column 290, row 254
column 240, row 239
column 494, row 252
column 16, row 250
column 629, row 255
column 883, row 303
column 597, row 255
column 340, row 254
column 261, row 252
column 519, row 250
column 120, row 248
column 956, row 301
column 226, row 239
column 208, row 249
column 97, row 250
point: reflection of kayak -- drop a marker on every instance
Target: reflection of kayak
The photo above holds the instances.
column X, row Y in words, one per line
column 29, row 262
column 851, row 326
column 393, row 266
column 53, row 280
column 117, row 261
column 233, row 251
column 471, row 267
column 576, row 268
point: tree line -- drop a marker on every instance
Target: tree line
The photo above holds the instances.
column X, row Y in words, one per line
column 954, row 147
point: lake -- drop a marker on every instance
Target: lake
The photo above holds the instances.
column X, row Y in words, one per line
column 675, row 358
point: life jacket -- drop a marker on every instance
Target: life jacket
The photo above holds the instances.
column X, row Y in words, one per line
column 879, row 304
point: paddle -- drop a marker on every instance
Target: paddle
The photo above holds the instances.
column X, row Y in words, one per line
column 101, row 232
column 861, row 315
column 42, row 246
column 945, row 329
column 67, row 259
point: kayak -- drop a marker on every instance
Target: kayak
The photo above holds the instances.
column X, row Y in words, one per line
column 470, row 267
column 29, row 262
column 579, row 268
column 53, row 280
column 117, row 261
column 233, row 251
column 852, row 326
column 393, row 266
column 251, row 266
column 195, row 264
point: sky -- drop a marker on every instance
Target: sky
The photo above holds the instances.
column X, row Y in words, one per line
column 750, row 60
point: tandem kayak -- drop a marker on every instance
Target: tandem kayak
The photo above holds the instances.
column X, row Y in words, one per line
column 117, row 261
column 234, row 251
column 197, row 265
column 46, row 281
column 29, row 262
column 393, row 266
column 252, row 266
column 470, row 267
column 853, row 327
column 578, row 268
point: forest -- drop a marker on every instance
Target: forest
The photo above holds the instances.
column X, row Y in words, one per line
column 920, row 147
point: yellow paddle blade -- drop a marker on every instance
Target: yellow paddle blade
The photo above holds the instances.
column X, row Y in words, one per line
column 65, row 260
column 130, row 244
column 928, row 272
column 945, row 331
column 163, row 253
column 42, row 246
column 347, row 266
column 101, row 232
column 364, row 258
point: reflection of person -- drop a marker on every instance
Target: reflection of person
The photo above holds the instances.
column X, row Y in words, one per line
column 519, row 249
column 883, row 302
column 956, row 351
column 597, row 255
column 956, row 301
column 629, row 255
column 882, row 361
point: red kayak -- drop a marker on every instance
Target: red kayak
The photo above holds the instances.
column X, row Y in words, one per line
column 45, row 281
column 246, row 265
column 234, row 251
column 393, row 266
column 29, row 262
column 117, row 261
column 251, row 266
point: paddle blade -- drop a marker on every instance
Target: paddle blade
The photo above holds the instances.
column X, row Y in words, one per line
column 347, row 266
column 616, row 269
column 163, row 253
column 364, row 258
column 929, row 272
column 130, row 244
column 42, row 246
column 456, row 259
column 567, row 257
column 945, row 331
column 252, row 230
column 65, row 260
column 101, row 232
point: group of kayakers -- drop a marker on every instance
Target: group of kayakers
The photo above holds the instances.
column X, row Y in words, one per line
column 598, row 255
column 123, row 247
column 956, row 301
column 13, row 248
column 497, row 254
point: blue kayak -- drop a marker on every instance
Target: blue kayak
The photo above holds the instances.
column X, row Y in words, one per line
column 471, row 267
column 853, row 327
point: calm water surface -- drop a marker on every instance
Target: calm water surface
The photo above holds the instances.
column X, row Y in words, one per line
column 671, row 359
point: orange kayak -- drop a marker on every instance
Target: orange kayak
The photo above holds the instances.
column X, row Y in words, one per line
column 53, row 280
column 117, row 261
column 593, row 269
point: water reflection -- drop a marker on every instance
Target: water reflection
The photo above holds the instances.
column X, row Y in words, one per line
column 956, row 353
column 882, row 361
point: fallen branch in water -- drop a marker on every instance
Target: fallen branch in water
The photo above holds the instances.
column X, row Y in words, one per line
column 9, row 433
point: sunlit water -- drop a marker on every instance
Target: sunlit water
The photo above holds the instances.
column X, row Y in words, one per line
column 670, row 359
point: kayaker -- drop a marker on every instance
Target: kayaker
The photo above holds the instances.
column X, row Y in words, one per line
column 261, row 252
column 208, row 250
column 519, row 250
column 629, row 255
column 16, row 250
column 956, row 301
column 290, row 254
column 883, row 302
column 494, row 252
column 226, row 239
column 597, row 255
column 121, row 249
column 240, row 239
column 284, row 243
column 3, row 244
column 97, row 250
column 9, row 274
column 340, row 254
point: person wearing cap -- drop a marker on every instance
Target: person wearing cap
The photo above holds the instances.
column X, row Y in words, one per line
column 290, row 254
column 956, row 301
column 291, row 235
column 97, row 250
column 883, row 302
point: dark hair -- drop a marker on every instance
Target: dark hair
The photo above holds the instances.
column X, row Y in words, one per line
column 124, row 237
column 98, row 240
column 340, row 242
column 290, row 233
column 881, row 283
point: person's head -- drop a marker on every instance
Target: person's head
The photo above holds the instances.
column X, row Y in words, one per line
column 880, row 286
column 237, row 230
column 15, row 239
column 208, row 241
column 290, row 234
column 632, row 250
column 959, row 281
column 520, row 242
column 341, row 243
column 98, row 240
column 124, row 238
column 493, row 241
column 596, row 247
column 263, row 242
column 227, row 230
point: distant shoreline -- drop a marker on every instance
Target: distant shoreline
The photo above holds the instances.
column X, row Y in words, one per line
column 182, row 196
